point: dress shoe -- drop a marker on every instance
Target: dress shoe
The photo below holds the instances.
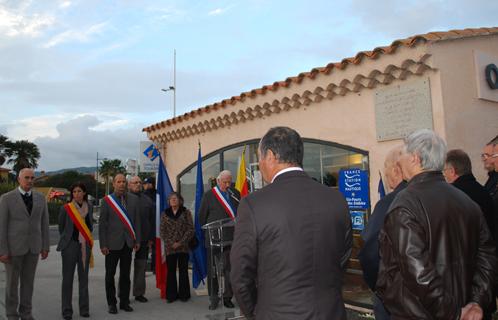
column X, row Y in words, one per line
column 85, row 315
column 228, row 303
column 170, row 300
column 126, row 308
column 68, row 317
column 141, row 299
column 113, row 309
column 213, row 305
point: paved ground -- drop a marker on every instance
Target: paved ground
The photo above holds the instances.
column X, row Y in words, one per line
column 46, row 300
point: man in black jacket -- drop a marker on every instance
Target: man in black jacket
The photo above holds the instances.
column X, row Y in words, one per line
column 292, row 239
column 488, row 161
column 458, row 172
column 369, row 254
column 219, row 203
column 438, row 259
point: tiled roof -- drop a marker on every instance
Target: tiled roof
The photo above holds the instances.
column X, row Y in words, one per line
column 357, row 59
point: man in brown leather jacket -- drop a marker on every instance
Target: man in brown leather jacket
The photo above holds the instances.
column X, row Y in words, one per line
column 437, row 256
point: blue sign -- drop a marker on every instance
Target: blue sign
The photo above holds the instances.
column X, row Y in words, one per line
column 151, row 152
column 358, row 220
column 353, row 183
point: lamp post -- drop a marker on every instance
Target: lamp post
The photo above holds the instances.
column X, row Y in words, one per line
column 173, row 87
column 97, row 179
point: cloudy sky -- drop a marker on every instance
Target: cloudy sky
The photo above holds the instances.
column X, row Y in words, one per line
column 79, row 77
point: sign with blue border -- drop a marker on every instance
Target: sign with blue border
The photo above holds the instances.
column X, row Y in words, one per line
column 358, row 220
column 353, row 184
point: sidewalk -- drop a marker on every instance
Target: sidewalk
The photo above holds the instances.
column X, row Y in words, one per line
column 47, row 300
column 47, row 305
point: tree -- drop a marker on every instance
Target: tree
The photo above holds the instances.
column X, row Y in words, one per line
column 110, row 168
column 67, row 179
column 22, row 154
column 4, row 142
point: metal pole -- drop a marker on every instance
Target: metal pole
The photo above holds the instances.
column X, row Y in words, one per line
column 97, row 182
column 174, row 83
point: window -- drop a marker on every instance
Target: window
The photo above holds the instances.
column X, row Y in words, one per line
column 322, row 161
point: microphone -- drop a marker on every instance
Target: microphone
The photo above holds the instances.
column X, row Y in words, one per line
column 232, row 195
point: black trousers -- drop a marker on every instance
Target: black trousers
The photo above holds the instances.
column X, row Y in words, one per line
column 213, row 256
column 122, row 256
column 174, row 291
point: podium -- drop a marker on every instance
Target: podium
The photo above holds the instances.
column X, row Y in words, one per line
column 215, row 234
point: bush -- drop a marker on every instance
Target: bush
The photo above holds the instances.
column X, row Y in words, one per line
column 6, row 187
column 53, row 212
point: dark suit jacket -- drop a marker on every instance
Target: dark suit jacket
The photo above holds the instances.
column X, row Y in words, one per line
column 20, row 231
column 112, row 232
column 369, row 253
column 469, row 185
column 292, row 242
column 66, row 226
column 147, row 211
column 211, row 210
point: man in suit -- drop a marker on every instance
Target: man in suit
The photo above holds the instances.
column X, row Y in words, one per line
column 369, row 254
column 147, row 219
column 458, row 171
column 488, row 161
column 219, row 203
column 24, row 235
column 119, row 233
column 292, row 239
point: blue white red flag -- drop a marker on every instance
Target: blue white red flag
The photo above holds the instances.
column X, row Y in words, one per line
column 163, row 188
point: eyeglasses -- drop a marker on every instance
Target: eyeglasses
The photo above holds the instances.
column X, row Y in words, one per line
column 485, row 156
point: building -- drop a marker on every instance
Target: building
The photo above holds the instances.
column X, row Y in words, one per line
column 350, row 113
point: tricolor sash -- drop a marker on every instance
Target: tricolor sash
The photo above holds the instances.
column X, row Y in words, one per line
column 224, row 203
column 122, row 214
column 78, row 222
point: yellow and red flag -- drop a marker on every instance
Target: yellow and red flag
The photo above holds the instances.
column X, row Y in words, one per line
column 241, row 182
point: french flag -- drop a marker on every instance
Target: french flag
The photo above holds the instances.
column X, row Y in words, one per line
column 163, row 188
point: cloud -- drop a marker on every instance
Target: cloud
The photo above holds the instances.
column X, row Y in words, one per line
column 217, row 11
column 397, row 19
column 15, row 23
column 76, row 35
column 65, row 4
column 77, row 143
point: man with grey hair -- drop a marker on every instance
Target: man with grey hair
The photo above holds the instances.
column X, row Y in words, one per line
column 437, row 256
column 220, row 202
column 24, row 235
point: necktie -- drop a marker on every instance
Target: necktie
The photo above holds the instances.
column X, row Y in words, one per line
column 28, row 201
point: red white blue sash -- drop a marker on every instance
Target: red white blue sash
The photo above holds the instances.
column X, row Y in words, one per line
column 224, row 203
column 122, row 214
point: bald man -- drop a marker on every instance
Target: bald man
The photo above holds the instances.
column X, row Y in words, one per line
column 119, row 234
column 24, row 234
column 147, row 221
column 369, row 254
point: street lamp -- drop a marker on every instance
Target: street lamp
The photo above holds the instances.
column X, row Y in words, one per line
column 97, row 179
column 172, row 88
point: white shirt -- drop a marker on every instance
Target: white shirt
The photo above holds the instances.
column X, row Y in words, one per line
column 286, row 170
column 21, row 190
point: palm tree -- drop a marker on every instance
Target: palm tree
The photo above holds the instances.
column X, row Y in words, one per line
column 22, row 154
column 110, row 168
column 4, row 142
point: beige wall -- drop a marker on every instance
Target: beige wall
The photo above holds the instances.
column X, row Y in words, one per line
column 350, row 119
column 470, row 122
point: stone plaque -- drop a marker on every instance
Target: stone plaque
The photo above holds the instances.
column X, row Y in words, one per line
column 403, row 108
